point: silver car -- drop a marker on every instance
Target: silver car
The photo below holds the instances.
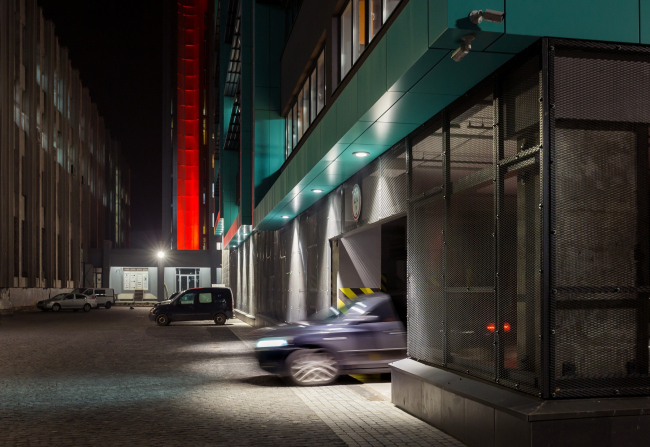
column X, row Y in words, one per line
column 68, row 301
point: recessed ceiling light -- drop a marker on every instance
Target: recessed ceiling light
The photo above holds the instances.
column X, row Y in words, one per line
column 317, row 190
column 285, row 217
column 361, row 154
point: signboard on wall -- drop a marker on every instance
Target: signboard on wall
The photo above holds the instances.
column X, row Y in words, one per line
column 136, row 279
column 356, row 202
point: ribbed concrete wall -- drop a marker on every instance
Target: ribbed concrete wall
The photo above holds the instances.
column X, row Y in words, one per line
column 63, row 185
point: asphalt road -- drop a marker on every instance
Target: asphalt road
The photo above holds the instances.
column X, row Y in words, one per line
column 112, row 377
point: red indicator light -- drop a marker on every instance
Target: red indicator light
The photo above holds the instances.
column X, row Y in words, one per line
column 506, row 327
column 491, row 327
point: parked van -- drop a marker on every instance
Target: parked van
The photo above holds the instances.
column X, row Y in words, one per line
column 105, row 297
column 202, row 303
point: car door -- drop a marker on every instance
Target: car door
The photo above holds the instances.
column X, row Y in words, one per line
column 68, row 302
column 79, row 301
column 184, row 309
column 204, row 306
column 388, row 335
column 220, row 297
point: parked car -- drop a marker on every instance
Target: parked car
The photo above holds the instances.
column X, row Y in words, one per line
column 202, row 303
column 364, row 339
column 104, row 297
column 68, row 301
column 170, row 299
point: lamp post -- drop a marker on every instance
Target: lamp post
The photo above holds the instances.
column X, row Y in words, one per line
column 161, row 276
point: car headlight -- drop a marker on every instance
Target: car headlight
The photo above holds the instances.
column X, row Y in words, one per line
column 272, row 343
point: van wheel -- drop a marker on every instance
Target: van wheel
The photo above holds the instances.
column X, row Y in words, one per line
column 162, row 320
column 220, row 319
column 108, row 305
column 86, row 307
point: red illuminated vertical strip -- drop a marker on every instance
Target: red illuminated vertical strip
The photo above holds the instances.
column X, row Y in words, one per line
column 190, row 52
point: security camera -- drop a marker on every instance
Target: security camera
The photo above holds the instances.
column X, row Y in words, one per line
column 464, row 49
column 477, row 16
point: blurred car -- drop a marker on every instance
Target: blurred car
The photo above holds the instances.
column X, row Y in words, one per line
column 68, row 301
column 104, row 297
column 202, row 303
column 362, row 340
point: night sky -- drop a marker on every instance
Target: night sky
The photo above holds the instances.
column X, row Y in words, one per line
column 117, row 47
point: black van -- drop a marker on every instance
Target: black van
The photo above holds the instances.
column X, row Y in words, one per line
column 202, row 303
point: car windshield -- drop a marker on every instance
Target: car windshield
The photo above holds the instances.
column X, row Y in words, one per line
column 60, row 296
column 80, row 290
column 345, row 314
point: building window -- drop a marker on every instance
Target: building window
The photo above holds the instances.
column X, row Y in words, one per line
column 359, row 23
column 187, row 279
column 309, row 103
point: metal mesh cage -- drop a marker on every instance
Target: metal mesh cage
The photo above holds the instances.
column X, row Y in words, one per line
column 599, row 219
column 426, row 161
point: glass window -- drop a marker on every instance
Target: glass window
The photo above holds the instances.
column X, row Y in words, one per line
column 295, row 126
column 320, row 67
column 205, row 298
column 313, row 95
column 389, row 7
column 187, row 299
column 346, row 40
column 289, row 135
column 358, row 28
column 375, row 18
column 305, row 106
column 299, row 121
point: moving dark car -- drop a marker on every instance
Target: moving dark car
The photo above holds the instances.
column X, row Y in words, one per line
column 364, row 339
column 203, row 303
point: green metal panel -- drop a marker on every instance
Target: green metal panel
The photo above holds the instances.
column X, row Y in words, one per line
column 262, row 98
column 420, row 68
column 452, row 39
column 510, row 43
column 347, row 107
column 385, row 134
column 328, row 128
column 381, row 106
column 452, row 78
column 644, row 12
column 372, row 77
column 416, row 108
column 577, row 19
column 407, row 39
column 357, row 129
column 437, row 19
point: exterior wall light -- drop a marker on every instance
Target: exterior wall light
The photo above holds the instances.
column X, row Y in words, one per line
column 285, row 217
column 317, row 191
column 361, row 154
column 477, row 16
column 464, row 49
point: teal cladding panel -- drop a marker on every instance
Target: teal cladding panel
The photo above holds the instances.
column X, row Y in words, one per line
column 418, row 70
column 607, row 20
column 347, row 107
column 416, row 108
column 372, row 77
column 407, row 39
column 437, row 19
column 644, row 11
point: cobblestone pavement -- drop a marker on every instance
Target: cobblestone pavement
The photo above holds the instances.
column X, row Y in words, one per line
column 112, row 377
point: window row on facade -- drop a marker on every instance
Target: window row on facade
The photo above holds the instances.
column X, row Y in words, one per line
column 359, row 23
column 309, row 103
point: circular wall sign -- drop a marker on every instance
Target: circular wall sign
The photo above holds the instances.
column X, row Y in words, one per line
column 356, row 202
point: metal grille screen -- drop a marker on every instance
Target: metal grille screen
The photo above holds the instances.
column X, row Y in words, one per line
column 599, row 220
column 474, row 233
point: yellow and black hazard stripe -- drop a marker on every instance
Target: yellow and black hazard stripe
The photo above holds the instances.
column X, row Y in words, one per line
column 349, row 294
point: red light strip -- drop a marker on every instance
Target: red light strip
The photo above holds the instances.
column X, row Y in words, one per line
column 190, row 42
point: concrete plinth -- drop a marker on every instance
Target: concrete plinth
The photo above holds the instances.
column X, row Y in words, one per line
column 485, row 415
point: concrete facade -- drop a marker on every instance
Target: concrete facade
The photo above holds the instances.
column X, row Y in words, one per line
column 64, row 188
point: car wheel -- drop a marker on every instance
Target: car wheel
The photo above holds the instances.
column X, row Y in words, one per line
column 86, row 307
column 108, row 305
column 220, row 319
column 309, row 367
column 162, row 320
column 56, row 307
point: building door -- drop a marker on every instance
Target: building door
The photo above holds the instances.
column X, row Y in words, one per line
column 187, row 279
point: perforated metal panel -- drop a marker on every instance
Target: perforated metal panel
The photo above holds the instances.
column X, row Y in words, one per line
column 599, row 219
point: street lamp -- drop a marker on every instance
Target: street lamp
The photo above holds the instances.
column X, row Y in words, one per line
column 161, row 254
